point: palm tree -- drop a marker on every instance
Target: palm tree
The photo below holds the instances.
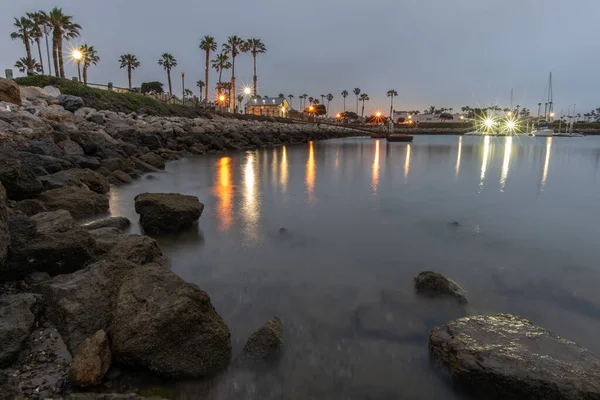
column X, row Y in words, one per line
column 304, row 97
column 234, row 45
column 24, row 65
column 207, row 44
column 281, row 95
column 316, row 102
column 89, row 57
column 221, row 63
column 344, row 95
column 431, row 110
column 167, row 61
column 24, row 32
column 356, row 92
column 323, row 98
column 392, row 93
column 62, row 28
column 130, row 62
column 200, row 85
column 363, row 97
column 38, row 20
column 290, row 96
column 311, row 100
column 254, row 47
column 329, row 98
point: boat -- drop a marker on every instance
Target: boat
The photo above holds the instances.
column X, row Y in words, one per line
column 378, row 135
column 399, row 138
column 543, row 128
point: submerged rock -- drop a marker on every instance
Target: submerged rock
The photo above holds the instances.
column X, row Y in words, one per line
column 264, row 344
column 153, row 159
column 433, row 284
column 167, row 325
column 91, row 361
column 167, row 212
column 507, row 357
column 121, row 223
column 17, row 319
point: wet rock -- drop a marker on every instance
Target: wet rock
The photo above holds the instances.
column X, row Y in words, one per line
column 143, row 166
column 80, row 202
column 91, row 361
column 53, row 221
column 167, row 212
column 167, row 325
column 121, row 223
column 153, row 159
column 507, row 357
column 135, row 248
column 118, row 178
column 4, row 226
column 9, row 91
column 17, row 319
column 264, row 344
column 70, row 103
column 433, row 284
column 93, row 180
column 30, row 207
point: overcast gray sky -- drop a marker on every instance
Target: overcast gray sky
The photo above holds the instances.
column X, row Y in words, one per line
column 448, row 53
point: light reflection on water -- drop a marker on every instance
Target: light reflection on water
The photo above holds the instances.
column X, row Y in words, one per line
column 526, row 244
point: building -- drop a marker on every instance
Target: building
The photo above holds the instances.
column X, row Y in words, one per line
column 405, row 117
column 268, row 106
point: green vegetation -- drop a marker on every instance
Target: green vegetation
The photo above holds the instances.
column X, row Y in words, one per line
column 113, row 101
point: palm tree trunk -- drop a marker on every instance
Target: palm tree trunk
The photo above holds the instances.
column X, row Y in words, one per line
column 85, row 69
column 40, row 54
column 232, row 95
column 328, row 108
column 344, row 104
column 220, row 81
column 206, row 74
column 61, row 64
column 255, row 77
column 27, row 47
column 392, row 108
column 55, row 55
column 356, row 104
column 129, row 75
column 79, row 70
column 169, row 77
column 362, row 113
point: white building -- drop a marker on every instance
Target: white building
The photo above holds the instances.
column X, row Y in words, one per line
column 405, row 117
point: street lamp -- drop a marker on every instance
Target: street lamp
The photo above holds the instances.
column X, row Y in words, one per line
column 77, row 56
column 221, row 103
column 247, row 91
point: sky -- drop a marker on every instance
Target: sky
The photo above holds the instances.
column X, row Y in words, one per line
column 447, row 53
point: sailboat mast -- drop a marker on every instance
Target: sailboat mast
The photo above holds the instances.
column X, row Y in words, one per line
column 511, row 99
column 550, row 95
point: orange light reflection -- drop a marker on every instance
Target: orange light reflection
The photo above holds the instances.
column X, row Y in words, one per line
column 225, row 194
column 310, row 173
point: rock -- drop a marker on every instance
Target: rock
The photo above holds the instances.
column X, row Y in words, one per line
column 51, row 222
column 70, row 103
column 135, row 248
column 507, row 357
column 30, row 207
column 52, row 91
column 17, row 319
column 19, row 179
column 8, row 388
column 60, row 179
column 167, row 325
column 433, row 284
column 35, row 278
column 80, row 202
column 4, row 226
column 92, row 179
column 153, row 159
column 108, row 396
column 91, row 361
column 121, row 223
column 143, row 166
column 70, row 148
column 21, row 229
column 56, row 253
column 264, row 344
column 44, row 148
column 9, row 92
column 37, row 94
column 84, row 161
column 118, row 164
column 119, row 178
column 164, row 212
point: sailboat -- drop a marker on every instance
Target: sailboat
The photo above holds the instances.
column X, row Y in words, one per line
column 543, row 129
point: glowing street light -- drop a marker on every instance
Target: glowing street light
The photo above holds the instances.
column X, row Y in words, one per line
column 338, row 116
column 378, row 114
column 510, row 125
column 489, row 122
column 410, row 117
column 222, row 98
column 77, row 56
column 551, row 115
column 247, row 91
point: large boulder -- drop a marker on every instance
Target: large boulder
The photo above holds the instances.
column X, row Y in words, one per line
column 167, row 325
column 22, row 229
column 434, row 284
column 9, row 91
column 137, row 249
column 70, row 103
column 37, row 95
column 52, row 222
column 80, row 202
column 17, row 319
column 167, row 212
column 118, row 178
column 4, row 236
column 507, row 357
column 264, row 344
column 19, row 179
column 121, row 223
column 91, row 361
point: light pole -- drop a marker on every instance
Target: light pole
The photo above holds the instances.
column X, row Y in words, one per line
column 183, row 86
column 247, row 93
column 77, row 56
column 46, row 31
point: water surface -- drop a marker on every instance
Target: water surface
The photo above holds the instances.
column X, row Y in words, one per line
column 360, row 216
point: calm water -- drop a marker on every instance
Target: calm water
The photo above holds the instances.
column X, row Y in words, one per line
column 362, row 216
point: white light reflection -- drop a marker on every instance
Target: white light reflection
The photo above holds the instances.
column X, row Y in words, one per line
column 546, row 162
column 505, row 162
column 457, row 168
column 486, row 153
column 250, row 207
column 407, row 162
column 375, row 179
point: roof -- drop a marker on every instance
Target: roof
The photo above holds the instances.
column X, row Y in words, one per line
column 267, row 101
